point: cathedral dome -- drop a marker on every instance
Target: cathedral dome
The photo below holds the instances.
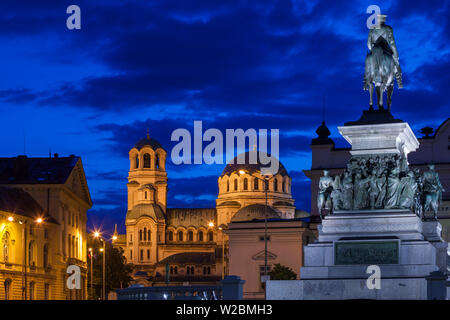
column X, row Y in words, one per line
column 150, row 210
column 254, row 212
column 234, row 166
column 147, row 141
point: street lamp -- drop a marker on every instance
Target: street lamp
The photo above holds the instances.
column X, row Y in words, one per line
column 221, row 228
column 92, row 278
column 266, row 180
column 98, row 236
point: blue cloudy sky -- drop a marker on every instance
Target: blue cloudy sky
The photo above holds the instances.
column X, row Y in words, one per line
column 232, row 64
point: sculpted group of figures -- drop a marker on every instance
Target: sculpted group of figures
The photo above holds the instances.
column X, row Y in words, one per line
column 380, row 182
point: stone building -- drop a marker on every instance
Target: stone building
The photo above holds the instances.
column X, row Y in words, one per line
column 285, row 241
column 55, row 189
column 184, row 244
column 433, row 148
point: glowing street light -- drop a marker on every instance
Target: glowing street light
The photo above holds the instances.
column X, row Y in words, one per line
column 211, row 224
column 98, row 235
column 114, row 237
column 10, row 218
column 39, row 220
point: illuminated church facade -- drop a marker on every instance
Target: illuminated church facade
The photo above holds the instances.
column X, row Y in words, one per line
column 191, row 244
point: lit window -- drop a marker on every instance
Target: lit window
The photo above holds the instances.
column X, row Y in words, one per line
column 5, row 245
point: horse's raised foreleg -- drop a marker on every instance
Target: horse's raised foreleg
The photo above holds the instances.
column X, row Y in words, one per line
column 379, row 90
column 390, row 90
column 371, row 95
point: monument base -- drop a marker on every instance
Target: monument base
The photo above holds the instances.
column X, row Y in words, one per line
column 405, row 249
column 346, row 289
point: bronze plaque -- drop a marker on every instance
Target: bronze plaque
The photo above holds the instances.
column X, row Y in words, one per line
column 366, row 252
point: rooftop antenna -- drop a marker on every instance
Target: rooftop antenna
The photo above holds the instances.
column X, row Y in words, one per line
column 24, row 143
column 49, row 152
column 148, row 133
column 323, row 108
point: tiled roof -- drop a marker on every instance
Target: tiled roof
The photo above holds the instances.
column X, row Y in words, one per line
column 151, row 210
column 255, row 212
column 24, row 170
column 190, row 258
column 17, row 201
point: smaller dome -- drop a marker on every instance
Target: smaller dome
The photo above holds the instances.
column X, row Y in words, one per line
column 150, row 210
column 254, row 212
column 152, row 143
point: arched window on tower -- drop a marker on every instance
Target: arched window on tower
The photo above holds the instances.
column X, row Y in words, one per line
column 170, row 236
column 147, row 161
column 157, row 164
column 255, row 184
column 145, row 234
column 140, row 235
column 190, row 236
column 235, row 184
column 210, row 236
column 149, row 235
column 200, row 236
column 137, row 162
column 180, row 235
column 275, row 185
column 245, row 184
column 228, row 186
column 284, row 186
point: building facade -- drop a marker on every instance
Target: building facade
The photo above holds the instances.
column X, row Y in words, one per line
column 285, row 241
column 183, row 245
column 58, row 185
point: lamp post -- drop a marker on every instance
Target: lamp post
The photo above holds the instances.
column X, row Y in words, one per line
column 103, row 250
column 266, row 188
column 221, row 228
column 92, row 278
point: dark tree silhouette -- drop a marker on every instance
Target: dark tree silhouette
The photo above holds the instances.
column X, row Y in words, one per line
column 280, row 272
column 118, row 272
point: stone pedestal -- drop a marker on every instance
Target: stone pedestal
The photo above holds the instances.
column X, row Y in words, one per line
column 384, row 138
column 404, row 248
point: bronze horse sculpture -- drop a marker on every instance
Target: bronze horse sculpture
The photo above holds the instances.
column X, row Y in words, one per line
column 382, row 66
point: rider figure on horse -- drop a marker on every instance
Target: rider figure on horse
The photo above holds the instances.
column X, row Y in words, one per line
column 382, row 65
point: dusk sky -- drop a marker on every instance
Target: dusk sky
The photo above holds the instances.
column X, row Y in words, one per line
column 232, row 64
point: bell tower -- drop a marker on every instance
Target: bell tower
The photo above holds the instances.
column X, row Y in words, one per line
column 147, row 178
